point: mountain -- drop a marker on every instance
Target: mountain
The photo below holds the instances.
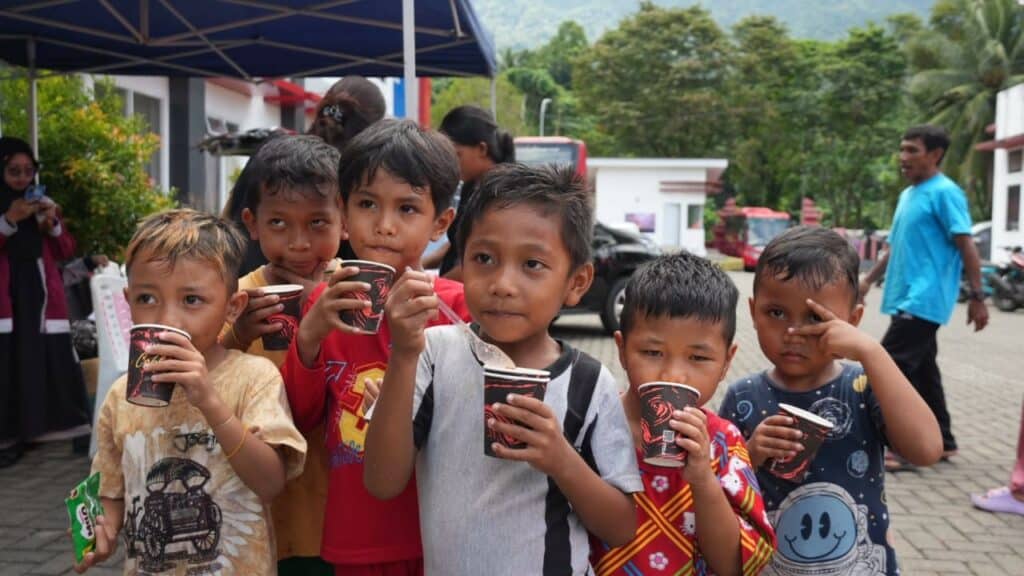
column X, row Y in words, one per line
column 528, row 23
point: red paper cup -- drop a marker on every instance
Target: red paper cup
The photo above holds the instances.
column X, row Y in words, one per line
column 379, row 277
column 657, row 402
column 498, row 384
column 287, row 318
column 815, row 429
column 141, row 388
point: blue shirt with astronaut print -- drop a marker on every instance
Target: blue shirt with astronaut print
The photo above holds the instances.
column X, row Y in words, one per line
column 834, row 521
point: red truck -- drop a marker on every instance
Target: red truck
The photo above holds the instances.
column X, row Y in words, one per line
column 745, row 231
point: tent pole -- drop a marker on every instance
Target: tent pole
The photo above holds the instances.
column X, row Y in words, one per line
column 494, row 96
column 33, row 103
column 412, row 97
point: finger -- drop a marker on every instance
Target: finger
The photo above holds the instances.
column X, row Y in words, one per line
column 770, row 453
column 810, row 329
column 176, row 339
column 169, row 369
column 782, row 432
column 778, row 420
column 520, row 433
column 821, row 310
column 172, row 352
column 781, row 445
column 342, row 273
column 415, row 307
column 532, row 404
column 340, row 304
column 519, row 455
column 341, row 288
column 264, row 328
column 689, row 444
column 687, row 430
column 258, row 301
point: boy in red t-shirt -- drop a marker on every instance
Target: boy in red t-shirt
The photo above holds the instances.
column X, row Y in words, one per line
column 397, row 181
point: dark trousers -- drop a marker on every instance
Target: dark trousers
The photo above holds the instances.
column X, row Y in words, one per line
column 911, row 343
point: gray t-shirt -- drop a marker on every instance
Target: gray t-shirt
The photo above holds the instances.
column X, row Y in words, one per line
column 484, row 515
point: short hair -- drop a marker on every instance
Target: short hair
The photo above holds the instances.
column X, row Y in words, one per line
column 933, row 137
column 816, row 257
column 185, row 233
column 291, row 165
column 552, row 189
column 681, row 285
column 416, row 155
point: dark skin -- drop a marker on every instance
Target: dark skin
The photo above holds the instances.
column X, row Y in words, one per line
column 918, row 164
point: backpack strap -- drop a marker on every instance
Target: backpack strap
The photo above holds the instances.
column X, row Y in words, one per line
column 585, row 372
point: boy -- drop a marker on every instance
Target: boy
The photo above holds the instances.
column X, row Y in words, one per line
column 805, row 311
column 397, row 182
column 525, row 248
column 188, row 483
column 678, row 326
column 295, row 216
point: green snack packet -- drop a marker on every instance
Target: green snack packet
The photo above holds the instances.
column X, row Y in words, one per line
column 83, row 507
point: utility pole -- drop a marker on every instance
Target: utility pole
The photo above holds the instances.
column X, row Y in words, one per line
column 543, row 110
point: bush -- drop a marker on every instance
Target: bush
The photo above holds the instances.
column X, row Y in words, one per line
column 93, row 159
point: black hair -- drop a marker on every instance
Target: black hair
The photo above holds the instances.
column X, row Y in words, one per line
column 816, row 257
column 681, row 285
column 350, row 106
column 294, row 164
column 11, row 146
column 470, row 125
column 552, row 189
column 932, row 136
column 418, row 156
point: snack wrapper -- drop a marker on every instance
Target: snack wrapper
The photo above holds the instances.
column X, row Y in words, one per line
column 83, row 507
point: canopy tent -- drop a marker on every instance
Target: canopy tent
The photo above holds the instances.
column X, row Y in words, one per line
column 248, row 39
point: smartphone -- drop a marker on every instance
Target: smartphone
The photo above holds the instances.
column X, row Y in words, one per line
column 35, row 192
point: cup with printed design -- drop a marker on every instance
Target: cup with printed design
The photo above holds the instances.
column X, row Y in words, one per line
column 379, row 277
column 815, row 429
column 657, row 402
column 142, row 390
column 288, row 318
column 498, row 384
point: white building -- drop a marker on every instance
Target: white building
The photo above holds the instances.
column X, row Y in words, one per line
column 1008, row 172
column 663, row 197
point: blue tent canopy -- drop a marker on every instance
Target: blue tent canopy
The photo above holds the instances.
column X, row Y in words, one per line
column 243, row 38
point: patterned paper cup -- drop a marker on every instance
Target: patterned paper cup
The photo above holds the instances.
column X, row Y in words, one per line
column 141, row 388
column 379, row 277
column 657, row 401
column 815, row 429
column 498, row 384
column 287, row 318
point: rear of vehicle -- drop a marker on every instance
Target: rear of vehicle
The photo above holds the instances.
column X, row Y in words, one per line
column 539, row 150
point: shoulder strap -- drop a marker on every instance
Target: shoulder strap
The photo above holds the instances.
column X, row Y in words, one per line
column 585, row 372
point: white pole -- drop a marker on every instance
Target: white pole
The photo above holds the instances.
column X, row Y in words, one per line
column 33, row 103
column 543, row 110
column 412, row 93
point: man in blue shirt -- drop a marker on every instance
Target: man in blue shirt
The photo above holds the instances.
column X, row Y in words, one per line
column 930, row 246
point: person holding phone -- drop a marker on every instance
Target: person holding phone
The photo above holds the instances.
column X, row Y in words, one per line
column 42, row 391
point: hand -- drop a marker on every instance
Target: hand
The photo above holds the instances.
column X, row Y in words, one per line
column 99, row 260
column 106, row 544
column 21, row 209
column 180, row 363
column 324, row 315
column 863, row 288
column 252, row 324
column 836, row 337
column 977, row 313
column 691, row 426
column 774, row 437
column 531, row 421
column 282, row 275
column 410, row 305
column 371, row 392
column 47, row 214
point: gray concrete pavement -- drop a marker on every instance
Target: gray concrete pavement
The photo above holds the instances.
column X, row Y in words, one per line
column 936, row 530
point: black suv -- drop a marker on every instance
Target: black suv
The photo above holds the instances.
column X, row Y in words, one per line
column 617, row 253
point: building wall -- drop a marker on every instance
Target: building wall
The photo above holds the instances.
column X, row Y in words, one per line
column 1009, row 122
column 623, row 191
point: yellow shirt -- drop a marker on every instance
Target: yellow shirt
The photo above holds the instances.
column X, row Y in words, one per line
column 186, row 511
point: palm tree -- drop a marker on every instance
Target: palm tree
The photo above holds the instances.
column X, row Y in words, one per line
column 974, row 49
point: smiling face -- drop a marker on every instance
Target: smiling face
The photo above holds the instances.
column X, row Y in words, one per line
column 191, row 295
column 18, row 172
column 778, row 305
column 297, row 230
column 675, row 349
column 391, row 222
column 816, row 528
column 518, row 273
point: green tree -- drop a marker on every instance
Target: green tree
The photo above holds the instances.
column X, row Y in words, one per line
column 93, row 158
column 460, row 91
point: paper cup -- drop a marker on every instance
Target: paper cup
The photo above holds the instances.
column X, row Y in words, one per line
column 288, row 318
column 657, row 402
column 815, row 429
column 498, row 384
column 379, row 277
column 141, row 388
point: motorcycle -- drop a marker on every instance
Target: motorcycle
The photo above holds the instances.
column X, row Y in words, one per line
column 1008, row 282
column 986, row 286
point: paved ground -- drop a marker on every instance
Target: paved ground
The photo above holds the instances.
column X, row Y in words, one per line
column 935, row 528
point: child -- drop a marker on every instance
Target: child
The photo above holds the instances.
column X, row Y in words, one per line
column 397, row 182
column 678, row 326
column 188, row 483
column 295, row 216
column 525, row 248
column 805, row 311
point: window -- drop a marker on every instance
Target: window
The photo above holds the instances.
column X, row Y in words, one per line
column 695, row 216
column 148, row 108
column 1015, row 160
column 1013, row 208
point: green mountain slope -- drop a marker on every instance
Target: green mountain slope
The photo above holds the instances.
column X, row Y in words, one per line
column 528, row 23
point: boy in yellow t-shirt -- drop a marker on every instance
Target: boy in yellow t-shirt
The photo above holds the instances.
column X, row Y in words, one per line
column 296, row 218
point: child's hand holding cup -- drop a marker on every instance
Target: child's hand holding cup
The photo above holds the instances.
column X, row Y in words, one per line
column 658, row 400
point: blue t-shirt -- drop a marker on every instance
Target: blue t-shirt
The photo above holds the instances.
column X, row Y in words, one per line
column 923, row 276
column 834, row 522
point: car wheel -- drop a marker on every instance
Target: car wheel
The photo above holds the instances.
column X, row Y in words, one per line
column 613, row 305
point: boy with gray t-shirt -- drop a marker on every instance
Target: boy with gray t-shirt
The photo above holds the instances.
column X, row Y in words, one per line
column 525, row 248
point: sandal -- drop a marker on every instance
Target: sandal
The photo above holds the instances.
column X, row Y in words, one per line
column 998, row 500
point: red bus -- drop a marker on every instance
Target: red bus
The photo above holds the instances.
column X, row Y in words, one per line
column 535, row 150
column 744, row 232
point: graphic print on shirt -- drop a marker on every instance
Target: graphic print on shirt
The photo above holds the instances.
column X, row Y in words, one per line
column 350, row 424
column 178, row 508
column 822, row 531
